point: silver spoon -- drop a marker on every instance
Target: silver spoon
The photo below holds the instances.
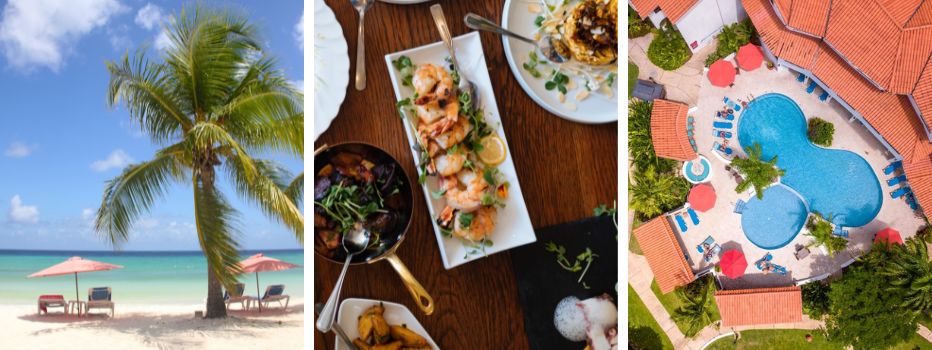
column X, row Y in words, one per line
column 361, row 6
column 336, row 327
column 465, row 85
column 545, row 45
column 354, row 242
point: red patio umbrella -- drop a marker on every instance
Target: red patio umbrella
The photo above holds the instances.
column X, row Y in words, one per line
column 889, row 236
column 722, row 73
column 702, row 197
column 75, row 265
column 750, row 57
column 733, row 263
column 261, row 263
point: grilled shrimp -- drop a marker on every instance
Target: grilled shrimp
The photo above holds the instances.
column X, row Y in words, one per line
column 480, row 226
column 433, row 81
column 431, row 111
column 449, row 163
column 466, row 199
column 456, row 134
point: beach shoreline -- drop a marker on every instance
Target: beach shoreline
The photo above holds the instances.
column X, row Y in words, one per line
column 155, row 326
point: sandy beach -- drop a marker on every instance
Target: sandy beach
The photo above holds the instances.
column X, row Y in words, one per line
column 154, row 327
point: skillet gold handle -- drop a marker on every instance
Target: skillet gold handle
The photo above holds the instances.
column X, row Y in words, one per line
column 423, row 300
column 320, row 149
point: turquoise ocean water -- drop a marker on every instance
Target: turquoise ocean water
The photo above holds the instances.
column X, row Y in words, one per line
column 147, row 277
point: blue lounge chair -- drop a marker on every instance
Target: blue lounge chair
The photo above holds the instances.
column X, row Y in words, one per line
column 892, row 167
column 722, row 149
column 725, row 116
column 739, row 206
column 273, row 293
column 900, row 192
column 692, row 141
column 823, row 96
column 690, row 126
column 811, row 87
column 708, row 242
column 723, row 134
column 801, row 77
column 780, row 270
column 690, row 119
column 726, row 100
column 99, row 298
column 693, row 216
column 721, row 125
column 840, row 231
column 236, row 297
column 681, row 223
column 896, row 180
column 737, row 107
column 716, row 249
column 911, row 200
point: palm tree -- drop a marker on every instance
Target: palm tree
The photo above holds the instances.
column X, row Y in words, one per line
column 696, row 313
column 213, row 100
column 756, row 172
column 651, row 193
column 910, row 271
column 820, row 230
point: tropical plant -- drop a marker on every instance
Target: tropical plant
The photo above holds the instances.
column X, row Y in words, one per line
column 730, row 39
column 910, row 274
column 633, row 71
column 637, row 27
column 821, row 132
column 820, row 230
column 757, row 172
column 668, row 50
column 640, row 144
column 925, row 233
column 651, row 194
column 815, row 299
column 212, row 101
column 697, row 311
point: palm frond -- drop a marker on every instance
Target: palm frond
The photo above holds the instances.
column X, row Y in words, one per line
column 131, row 194
column 269, row 190
column 216, row 224
column 209, row 136
column 295, row 189
column 147, row 94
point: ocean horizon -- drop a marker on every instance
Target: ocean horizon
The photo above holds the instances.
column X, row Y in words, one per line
column 147, row 277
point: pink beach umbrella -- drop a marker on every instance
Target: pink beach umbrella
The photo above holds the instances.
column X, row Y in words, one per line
column 733, row 263
column 702, row 197
column 261, row 263
column 749, row 57
column 75, row 265
column 722, row 73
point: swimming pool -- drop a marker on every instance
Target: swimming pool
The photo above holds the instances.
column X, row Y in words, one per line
column 833, row 182
column 773, row 222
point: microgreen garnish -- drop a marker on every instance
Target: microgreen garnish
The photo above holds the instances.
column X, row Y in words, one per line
column 610, row 79
column 531, row 66
column 557, row 81
column 438, row 193
column 586, row 257
column 605, row 210
column 539, row 21
column 343, row 205
column 405, row 67
column 466, row 219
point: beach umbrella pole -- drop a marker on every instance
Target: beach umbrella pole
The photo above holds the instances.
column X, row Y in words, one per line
column 76, row 297
column 258, row 296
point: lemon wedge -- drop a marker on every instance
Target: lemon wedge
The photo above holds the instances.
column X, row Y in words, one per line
column 493, row 150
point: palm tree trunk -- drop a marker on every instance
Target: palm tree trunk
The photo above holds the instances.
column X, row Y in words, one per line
column 215, row 306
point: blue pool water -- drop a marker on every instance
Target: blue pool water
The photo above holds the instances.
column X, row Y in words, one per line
column 697, row 173
column 833, row 182
column 772, row 222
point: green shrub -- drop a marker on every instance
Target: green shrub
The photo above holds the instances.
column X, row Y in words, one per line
column 821, row 132
column 732, row 38
column 815, row 299
column 637, row 27
column 632, row 77
column 668, row 50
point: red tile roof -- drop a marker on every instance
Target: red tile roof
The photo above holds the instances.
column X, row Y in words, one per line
column 922, row 17
column 668, row 131
column 760, row 306
column 919, row 174
column 900, row 10
column 663, row 253
column 791, row 46
column 674, row 9
column 809, row 16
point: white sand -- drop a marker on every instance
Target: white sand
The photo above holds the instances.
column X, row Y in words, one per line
column 153, row 327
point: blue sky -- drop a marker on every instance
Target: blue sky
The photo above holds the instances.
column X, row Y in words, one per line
column 59, row 142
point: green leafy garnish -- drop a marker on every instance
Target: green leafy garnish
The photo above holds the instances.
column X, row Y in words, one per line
column 342, row 203
column 610, row 80
column 557, row 81
column 438, row 193
column 466, row 219
column 586, row 257
column 539, row 21
column 531, row 66
column 404, row 65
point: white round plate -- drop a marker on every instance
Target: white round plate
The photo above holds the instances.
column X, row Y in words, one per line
column 404, row 2
column 593, row 110
column 329, row 84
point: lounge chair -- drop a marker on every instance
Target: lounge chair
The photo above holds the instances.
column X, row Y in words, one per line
column 896, row 180
column 823, row 96
column 695, row 148
column 723, row 134
column 840, row 231
column 725, row 116
column 712, row 253
column 911, row 200
column 100, row 298
column 690, row 133
column 690, row 119
column 802, row 253
column 47, row 301
column 690, row 127
column 739, row 206
column 692, row 141
column 721, row 125
column 273, row 293
column 780, row 270
column 900, row 192
column 236, row 297
column 708, row 242
column 801, row 77
column 737, row 107
column 681, row 223
column 722, row 149
column 693, row 216
column 811, row 87
column 892, row 167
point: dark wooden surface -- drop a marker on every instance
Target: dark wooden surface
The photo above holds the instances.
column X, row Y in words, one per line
column 565, row 170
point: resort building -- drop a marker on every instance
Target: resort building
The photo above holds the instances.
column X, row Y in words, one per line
column 747, row 307
column 664, row 254
column 698, row 20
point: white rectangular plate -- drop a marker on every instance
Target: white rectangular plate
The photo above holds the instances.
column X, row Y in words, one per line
column 514, row 223
column 395, row 315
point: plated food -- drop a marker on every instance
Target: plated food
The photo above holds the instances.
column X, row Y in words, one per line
column 583, row 88
column 380, row 325
column 461, row 152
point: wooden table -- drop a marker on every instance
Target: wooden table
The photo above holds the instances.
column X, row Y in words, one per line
column 565, row 169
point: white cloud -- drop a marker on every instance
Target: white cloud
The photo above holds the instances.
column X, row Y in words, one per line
column 299, row 32
column 162, row 41
column 149, row 16
column 40, row 33
column 147, row 224
column 87, row 214
column 26, row 214
column 117, row 159
column 119, row 39
column 18, row 150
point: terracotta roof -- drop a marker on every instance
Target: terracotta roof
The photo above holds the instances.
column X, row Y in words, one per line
column 793, row 47
column 674, row 9
column 744, row 307
column 663, row 253
column 900, row 10
column 922, row 17
column 922, row 94
column 809, row 16
column 668, row 131
column 868, row 38
column 919, row 175
column 784, row 7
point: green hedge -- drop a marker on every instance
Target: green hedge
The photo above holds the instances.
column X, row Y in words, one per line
column 815, row 299
column 668, row 50
column 821, row 132
column 637, row 27
column 732, row 38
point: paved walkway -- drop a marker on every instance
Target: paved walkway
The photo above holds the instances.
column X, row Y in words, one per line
column 682, row 85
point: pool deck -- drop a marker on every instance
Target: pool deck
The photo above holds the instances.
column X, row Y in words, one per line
column 725, row 226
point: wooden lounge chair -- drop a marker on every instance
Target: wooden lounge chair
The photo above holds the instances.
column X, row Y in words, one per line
column 99, row 298
column 273, row 293
column 237, row 297
column 47, row 301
